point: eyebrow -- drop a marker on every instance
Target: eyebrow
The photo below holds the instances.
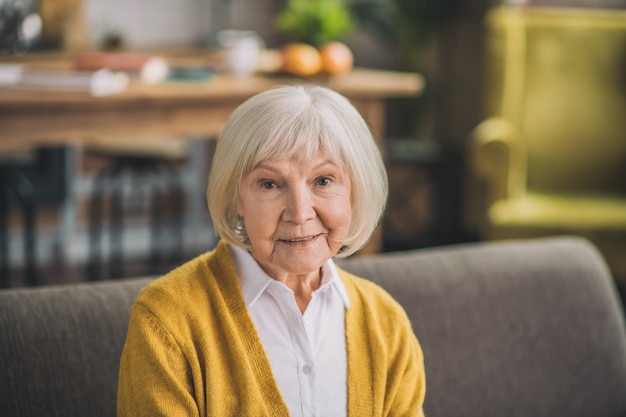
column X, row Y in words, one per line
column 264, row 165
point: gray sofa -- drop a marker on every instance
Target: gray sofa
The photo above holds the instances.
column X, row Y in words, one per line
column 520, row 328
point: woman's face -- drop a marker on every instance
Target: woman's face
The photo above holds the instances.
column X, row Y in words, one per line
column 297, row 214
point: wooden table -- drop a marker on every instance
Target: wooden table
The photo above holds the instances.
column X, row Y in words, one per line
column 180, row 109
column 195, row 110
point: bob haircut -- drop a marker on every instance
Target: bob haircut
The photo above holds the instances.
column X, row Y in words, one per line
column 296, row 121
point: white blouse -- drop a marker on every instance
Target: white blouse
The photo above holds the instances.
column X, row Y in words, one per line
column 307, row 351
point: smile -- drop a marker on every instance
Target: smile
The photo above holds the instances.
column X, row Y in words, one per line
column 299, row 240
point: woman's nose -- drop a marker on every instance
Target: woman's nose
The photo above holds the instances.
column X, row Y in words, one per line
column 299, row 206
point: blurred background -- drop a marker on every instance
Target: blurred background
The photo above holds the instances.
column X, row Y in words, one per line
column 519, row 130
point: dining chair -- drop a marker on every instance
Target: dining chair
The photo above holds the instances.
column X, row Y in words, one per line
column 17, row 192
column 139, row 181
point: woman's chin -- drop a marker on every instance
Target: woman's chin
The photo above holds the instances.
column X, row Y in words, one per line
column 300, row 260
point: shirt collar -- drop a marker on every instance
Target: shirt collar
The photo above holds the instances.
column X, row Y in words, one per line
column 254, row 281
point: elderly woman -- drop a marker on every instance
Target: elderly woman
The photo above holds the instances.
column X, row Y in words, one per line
column 266, row 324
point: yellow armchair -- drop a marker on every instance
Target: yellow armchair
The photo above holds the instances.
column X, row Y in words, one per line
column 552, row 151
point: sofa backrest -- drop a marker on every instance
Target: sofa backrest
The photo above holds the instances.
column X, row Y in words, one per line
column 60, row 348
column 528, row 328
column 520, row 328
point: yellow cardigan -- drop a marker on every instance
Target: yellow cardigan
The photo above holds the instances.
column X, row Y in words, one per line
column 193, row 350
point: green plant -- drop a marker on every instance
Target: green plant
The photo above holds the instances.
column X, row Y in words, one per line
column 315, row 21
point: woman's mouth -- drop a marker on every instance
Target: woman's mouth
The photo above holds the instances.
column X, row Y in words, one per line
column 299, row 241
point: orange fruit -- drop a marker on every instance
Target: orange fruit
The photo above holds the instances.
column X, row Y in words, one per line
column 301, row 59
column 337, row 58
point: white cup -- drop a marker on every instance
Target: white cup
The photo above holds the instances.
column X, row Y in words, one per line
column 242, row 49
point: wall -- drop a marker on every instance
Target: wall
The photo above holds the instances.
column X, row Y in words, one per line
column 148, row 23
column 167, row 23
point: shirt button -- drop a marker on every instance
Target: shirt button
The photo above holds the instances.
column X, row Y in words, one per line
column 307, row 369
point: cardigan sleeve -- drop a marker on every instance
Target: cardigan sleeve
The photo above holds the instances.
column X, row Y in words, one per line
column 155, row 378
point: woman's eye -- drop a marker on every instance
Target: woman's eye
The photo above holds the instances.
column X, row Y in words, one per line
column 324, row 181
column 268, row 185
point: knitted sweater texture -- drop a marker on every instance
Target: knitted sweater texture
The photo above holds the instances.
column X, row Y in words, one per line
column 192, row 350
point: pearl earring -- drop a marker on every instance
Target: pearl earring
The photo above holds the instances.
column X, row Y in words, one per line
column 240, row 230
